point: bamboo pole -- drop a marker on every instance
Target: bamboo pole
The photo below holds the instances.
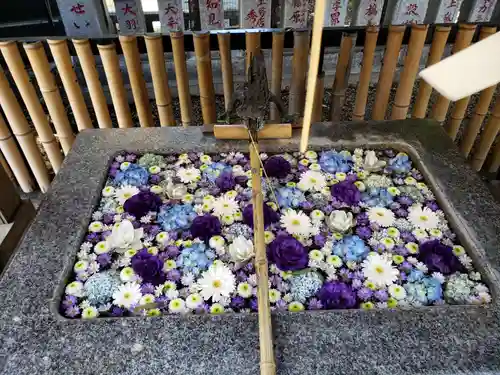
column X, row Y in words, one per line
column 318, row 98
column 62, row 58
column 439, row 40
column 267, row 361
column 464, row 39
column 205, row 80
column 277, row 72
column 366, row 73
column 40, row 121
column 87, row 62
column 342, row 75
column 394, row 40
column 316, row 50
column 163, row 97
column 224, row 40
column 299, row 69
column 181, row 76
column 495, row 159
column 252, row 45
column 487, row 137
column 23, row 133
column 410, row 70
column 136, row 78
column 47, row 84
column 460, row 106
column 14, row 159
column 114, row 77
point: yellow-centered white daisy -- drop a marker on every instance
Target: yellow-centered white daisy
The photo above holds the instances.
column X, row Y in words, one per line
column 423, row 218
column 381, row 216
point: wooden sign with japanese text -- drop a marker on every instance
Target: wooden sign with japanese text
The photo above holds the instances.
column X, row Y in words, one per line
column 409, row 11
column 295, row 14
column 482, row 11
column 130, row 16
column 369, row 13
column 255, row 14
column 211, row 14
column 336, row 12
column 171, row 15
column 448, row 11
column 84, row 18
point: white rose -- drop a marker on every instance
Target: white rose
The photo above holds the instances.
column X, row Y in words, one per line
column 125, row 237
column 340, row 221
column 372, row 164
column 176, row 191
column 241, row 250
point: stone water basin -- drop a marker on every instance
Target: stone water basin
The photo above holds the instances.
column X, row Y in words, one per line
column 382, row 301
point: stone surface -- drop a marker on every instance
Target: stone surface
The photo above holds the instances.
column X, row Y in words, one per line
column 35, row 339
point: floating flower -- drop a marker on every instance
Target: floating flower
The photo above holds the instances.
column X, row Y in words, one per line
column 133, row 175
column 337, row 295
column 350, row 248
column 195, row 258
column 241, row 250
column 423, row 218
column 205, row 227
column 125, row 192
column 217, row 282
column 439, row 257
column 372, row 163
column 381, row 216
column 341, row 221
column 378, row 269
column 128, row 295
column 400, row 164
column 188, row 175
column 290, row 197
column 176, row 217
column 312, row 181
column 226, row 181
column 305, row 285
column 99, row 288
column 149, row 267
column 142, row 203
column 296, row 223
column 346, row 192
column 225, row 206
column 277, row 166
column 124, row 237
column 332, row 161
column 270, row 216
column 287, row 253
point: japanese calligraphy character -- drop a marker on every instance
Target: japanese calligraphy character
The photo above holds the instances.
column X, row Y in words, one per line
column 485, row 6
column 171, row 9
column 297, row 3
column 261, row 2
column 172, row 23
column 411, row 10
column 212, row 20
column 453, row 3
column 131, row 24
column 335, row 18
column 212, row 4
column 128, row 9
column 252, row 16
column 78, row 8
column 448, row 17
column 298, row 17
column 371, row 10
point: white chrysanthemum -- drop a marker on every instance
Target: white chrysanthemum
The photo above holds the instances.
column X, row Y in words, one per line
column 90, row 313
column 188, row 175
column 74, row 288
column 423, row 218
column 127, row 274
column 439, row 277
column 245, row 290
column 218, row 281
column 296, row 222
column 378, row 269
column 146, row 299
column 127, row 295
column 225, row 206
column 177, row 305
column 193, row 301
column 108, row 191
column 397, row 291
column 125, row 192
column 101, row 247
column 312, row 181
column 381, row 216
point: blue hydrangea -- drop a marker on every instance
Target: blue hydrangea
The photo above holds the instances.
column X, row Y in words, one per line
column 423, row 292
column 351, row 248
column 99, row 288
column 400, row 164
column 214, row 170
column 134, row 175
column 333, row 161
column 195, row 259
column 415, row 275
column 289, row 197
column 176, row 217
column 305, row 285
column 379, row 197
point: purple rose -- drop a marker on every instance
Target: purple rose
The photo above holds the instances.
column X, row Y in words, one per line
column 226, row 181
column 346, row 192
column 439, row 257
column 270, row 216
column 337, row 295
column 142, row 203
column 149, row 267
column 277, row 166
column 287, row 253
column 205, row 227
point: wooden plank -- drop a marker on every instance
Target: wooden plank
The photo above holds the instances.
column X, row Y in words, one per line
column 241, row 132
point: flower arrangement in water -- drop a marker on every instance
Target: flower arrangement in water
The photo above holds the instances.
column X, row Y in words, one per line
column 174, row 234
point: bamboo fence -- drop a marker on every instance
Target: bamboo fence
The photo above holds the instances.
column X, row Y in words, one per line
column 47, row 127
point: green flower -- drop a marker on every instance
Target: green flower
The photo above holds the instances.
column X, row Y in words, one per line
column 153, row 312
column 90, row 313
column 392, row 303
column 216, row 308
column 398, row 259
column 295, row 307
column 367, row 305
column 316, row 255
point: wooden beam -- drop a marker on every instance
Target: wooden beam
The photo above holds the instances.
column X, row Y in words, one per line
column 240, row 131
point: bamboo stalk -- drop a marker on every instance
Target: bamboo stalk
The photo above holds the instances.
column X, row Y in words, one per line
column 23, row 133
column 47, row 84
column 318, row 98
column 267, row 361
column 40, row 121
column 181, row 76
column 487, row 137
column 460, row 107
column 114, row 77
column 205, row 80
column 224, row 40
column 299, row 69
column 136, row 78
column 14, row 159
column 384, row 84
column 87, row 62
column 277, row 71
column 495, row 159
column 464, row 39
column 316, row 51
column 439, row 40
column 163, row 97
column 410, row 70
column 269, row 131
column 366, row 73
column 252, row 45
column 60, row 52
column 342, row 75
